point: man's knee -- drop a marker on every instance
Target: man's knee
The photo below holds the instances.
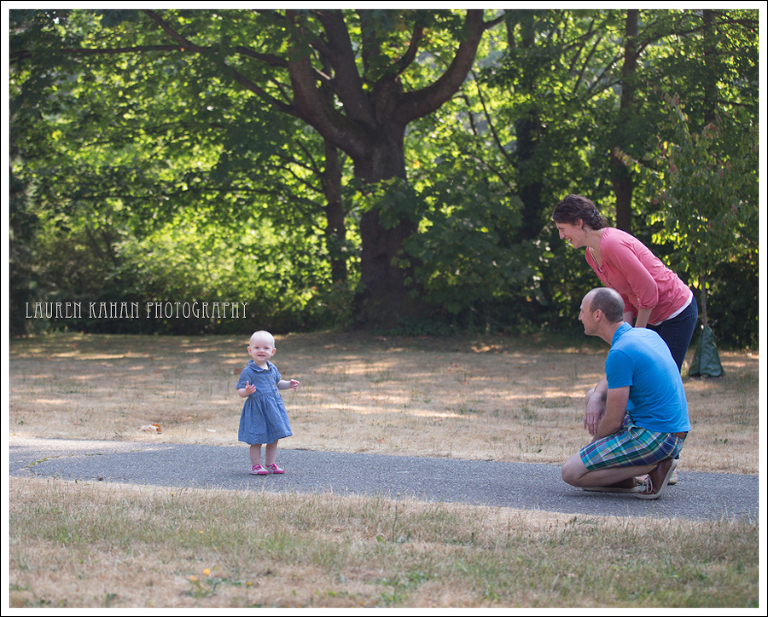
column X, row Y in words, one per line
column 572, row 470
column 567, row 475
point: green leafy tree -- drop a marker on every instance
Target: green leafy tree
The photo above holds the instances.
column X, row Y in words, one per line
column 571, row 86
column 291, row 61
column 394, row 147
column 706, row 185
column 541, row 120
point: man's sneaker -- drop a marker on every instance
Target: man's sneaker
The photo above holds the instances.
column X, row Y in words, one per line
column 672, row 480
column 258, row 470
column 273, row 468
column 658, row 479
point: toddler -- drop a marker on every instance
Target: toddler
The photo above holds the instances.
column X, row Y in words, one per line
column 264, row 418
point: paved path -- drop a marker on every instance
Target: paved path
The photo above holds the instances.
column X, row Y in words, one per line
column 699, row 496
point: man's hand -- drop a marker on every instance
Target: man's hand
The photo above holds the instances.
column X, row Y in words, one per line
column 595, row 406
column 595, row 410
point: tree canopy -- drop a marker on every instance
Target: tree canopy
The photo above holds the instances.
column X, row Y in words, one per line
column 337, row 166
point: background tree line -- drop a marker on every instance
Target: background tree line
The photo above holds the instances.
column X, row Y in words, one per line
column 391, row 168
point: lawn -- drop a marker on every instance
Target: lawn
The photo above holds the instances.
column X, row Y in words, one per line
column 490, row 398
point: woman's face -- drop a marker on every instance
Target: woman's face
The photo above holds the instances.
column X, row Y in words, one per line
column 575, row 234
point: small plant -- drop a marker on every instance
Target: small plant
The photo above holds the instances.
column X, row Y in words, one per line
column 109, row 598
column 203, row 588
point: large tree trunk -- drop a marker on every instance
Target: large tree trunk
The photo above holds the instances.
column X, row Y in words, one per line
column 386, row 297
column 621, row 177
column 530, row 189
column 623, row 186
column 710, row 58
column 369, row 125
column 527, row 131
column 335, row 216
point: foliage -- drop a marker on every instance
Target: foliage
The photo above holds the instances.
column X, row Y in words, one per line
column 273, row 271
column 118, row 155
column 172, row 110
column 462, row 258
column 22, row 255
column 560, row 116
column 151, row 151
column 733, row 304
column 713, row 66
column 707, row 187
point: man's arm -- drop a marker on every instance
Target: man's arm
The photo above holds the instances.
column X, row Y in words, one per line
column 595, row 406
column 615, row 408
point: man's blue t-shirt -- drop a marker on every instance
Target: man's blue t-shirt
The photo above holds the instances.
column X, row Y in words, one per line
column 639, row 358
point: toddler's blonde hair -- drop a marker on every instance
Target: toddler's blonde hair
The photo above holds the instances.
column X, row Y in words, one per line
column 263, row 334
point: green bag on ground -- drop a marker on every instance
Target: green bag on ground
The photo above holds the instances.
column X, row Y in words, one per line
column 706, row 360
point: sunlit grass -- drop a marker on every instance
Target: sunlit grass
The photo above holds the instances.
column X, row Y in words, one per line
column 498, row 398
column 488, row 398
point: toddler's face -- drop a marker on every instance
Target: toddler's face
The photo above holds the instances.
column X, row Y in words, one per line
column 261, row 349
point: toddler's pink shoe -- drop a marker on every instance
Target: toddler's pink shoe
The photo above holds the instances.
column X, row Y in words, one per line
column 258, row 470
column 273, row 468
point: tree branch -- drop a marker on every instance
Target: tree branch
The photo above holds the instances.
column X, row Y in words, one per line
column 494, row 133
column 410, row 53
column 586, row 63
column 81, row 51
column 313, row 107
column 235, row 74
column 346, row 82
column 423, row 102
column 184, row 42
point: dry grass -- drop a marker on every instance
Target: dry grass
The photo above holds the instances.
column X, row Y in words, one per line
column 497, row 399
column 107, row 545
column 101, row 545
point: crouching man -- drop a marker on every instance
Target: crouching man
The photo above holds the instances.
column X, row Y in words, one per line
column 644, row 437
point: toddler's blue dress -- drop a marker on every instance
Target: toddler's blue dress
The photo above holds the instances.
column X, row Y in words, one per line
column 264, row 418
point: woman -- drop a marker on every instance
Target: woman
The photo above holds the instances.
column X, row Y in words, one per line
column 653, row 295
